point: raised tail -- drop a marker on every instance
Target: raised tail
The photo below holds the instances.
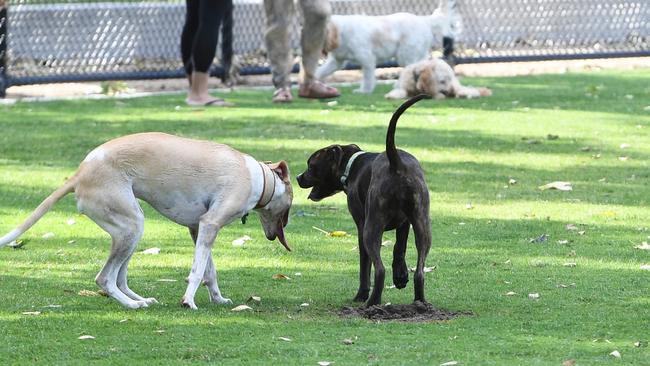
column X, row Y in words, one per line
column 41, row 210
column 391, row 151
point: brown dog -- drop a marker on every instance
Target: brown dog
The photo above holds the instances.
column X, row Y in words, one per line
column 386, row 191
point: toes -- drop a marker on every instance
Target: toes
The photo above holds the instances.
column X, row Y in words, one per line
column 222, row 301
column 151, row 300
column 188, row 304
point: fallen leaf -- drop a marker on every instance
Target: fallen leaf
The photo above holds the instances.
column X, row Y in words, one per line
column 167, row 280
column 511, row 293
column 560, row 186
column 386, row 243
column 52, row 306
column 540, row 239
column 570, row 264
column 338, row 234
column 350, row 341
column 298, row 274
column 241, row 241
column 86, row 337
column 16, row 244
column 615, row 353
column 585, row 148
column 32, row 313
column 48, row 235
column 571, row 227
column 88, row 293
column 645, row 267
column 449, row 363
column 241, row 308
column 623, row 158
column 512, row 181
column 332, row 103
column 280, row 276
column 569, row 362
column 582, row 232
column 304, row 305
column 325, row 363
column 390, row 287
column 285, row 339
column 152, row 251
column 637, row 344
column 469, row 206
column 533, row 296
column 160, row 331
column 643, row 246
column 71, row 222
column 563, row 241
column 254, row 298
column 624, row 146
column 71, row 241
column 124, row 320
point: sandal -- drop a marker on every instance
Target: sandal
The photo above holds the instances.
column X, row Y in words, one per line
column 216, row 102
column 317, row 90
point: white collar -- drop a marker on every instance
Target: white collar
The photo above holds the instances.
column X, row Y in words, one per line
column 348, row 166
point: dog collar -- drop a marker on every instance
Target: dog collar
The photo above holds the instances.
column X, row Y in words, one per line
column 348, row 166
column 268, row 178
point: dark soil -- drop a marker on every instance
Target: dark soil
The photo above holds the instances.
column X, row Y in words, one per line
column 416, row 312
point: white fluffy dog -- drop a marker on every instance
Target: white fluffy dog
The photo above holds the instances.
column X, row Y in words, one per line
column 433, row 77
column 369, row 40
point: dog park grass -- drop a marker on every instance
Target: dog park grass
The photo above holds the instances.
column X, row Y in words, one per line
column 496, row 237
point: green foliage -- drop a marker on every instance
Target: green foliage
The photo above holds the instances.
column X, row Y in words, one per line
column 482, row 225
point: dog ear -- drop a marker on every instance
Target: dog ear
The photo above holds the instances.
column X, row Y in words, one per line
column 281, row 169
column 425, row 82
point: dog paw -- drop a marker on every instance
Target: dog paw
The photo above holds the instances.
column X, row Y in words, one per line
column 222, row 301
column 188, row 304
column 136, row 305
column 150, row 300
column 361, row 296
column 400, row 279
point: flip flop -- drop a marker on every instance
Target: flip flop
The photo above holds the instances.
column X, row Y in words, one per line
column 217, row 102
column 282, row 95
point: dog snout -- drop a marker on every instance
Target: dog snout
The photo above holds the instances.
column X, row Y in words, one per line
column 303, row 182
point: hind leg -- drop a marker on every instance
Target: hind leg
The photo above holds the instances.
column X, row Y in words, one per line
column 123, row 285
column 210, row 277
column 422, row 229
column 117, row 212
column 400, row 270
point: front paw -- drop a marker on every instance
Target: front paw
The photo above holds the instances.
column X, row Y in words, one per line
column 188, row 304
column 362, row 295
column 400, row 277
column 221, row 301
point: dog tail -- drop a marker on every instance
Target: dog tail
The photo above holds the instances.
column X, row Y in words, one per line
column 391, row 151
column 41, row 210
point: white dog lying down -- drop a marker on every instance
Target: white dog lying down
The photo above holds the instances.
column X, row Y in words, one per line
column 370, row 40
column 198, row 184
column 433, row 77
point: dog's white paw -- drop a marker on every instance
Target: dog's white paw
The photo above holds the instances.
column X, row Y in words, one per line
column 136, row 305
column 188, row 304
column 222, row 301
column 150, row 300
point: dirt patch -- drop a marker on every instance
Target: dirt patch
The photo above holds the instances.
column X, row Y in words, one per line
column 416, row 312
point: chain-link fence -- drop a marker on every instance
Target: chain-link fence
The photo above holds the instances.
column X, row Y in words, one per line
column 51, row 41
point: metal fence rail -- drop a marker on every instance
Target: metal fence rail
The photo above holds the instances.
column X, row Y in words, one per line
column 53, row 41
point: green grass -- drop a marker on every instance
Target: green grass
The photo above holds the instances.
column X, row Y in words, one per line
column 469, row 150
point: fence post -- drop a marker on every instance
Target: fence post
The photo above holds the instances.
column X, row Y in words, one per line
column 3, row 48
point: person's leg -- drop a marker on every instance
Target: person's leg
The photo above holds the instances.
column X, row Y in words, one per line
column 316, row 14
column 203, row 50
column 279, row 14
column 187, row 35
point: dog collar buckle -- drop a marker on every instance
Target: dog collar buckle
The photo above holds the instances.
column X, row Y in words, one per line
column 348, row 166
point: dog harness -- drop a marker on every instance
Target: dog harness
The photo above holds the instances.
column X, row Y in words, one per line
column 348, row 166
column 269, row 180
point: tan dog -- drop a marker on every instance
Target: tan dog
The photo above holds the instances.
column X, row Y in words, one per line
column 198, row 184
column 433, row 77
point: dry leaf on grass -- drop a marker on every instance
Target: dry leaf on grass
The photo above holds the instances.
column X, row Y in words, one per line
column 286, row 339
column 511, row 293
column 540, row 239
column 241, row 308
column 71, row 222
column 569, row 362
column 615, row 353
column 152, row 251
column 643, row 246
column 563, row 241
column 637, row 344
column 88, row 293
column 254, row 298
column 325, row 363
column 512, row 181
column 645, row 267
column 280, row 276
column 241, row 241
column 533, row 296
column 48, row 235
column 167, row 280
column 570, row 264
column 304, row 305
column 386, row 243
column 86, row 337
column 560, row 186
column 31, row 313
column 349, row 341
column 449, row 363
column 334, row 234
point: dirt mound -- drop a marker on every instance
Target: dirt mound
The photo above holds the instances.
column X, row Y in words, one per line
column 416, row 312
